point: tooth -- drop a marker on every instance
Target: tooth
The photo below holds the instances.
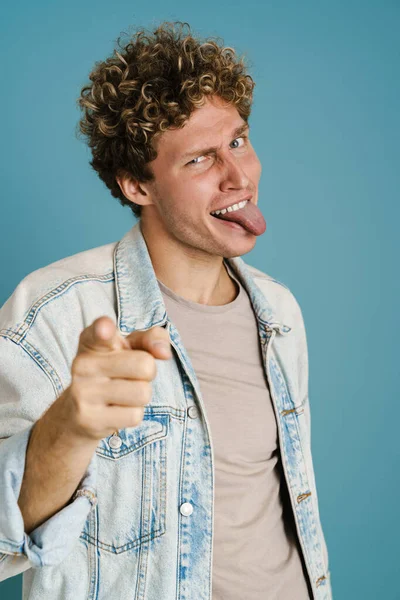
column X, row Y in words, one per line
column 230, row 208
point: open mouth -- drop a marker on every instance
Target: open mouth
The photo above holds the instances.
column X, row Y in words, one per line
column 233, row 208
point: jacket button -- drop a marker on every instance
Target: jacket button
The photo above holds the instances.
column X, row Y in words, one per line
column 186, row 509
column 193, row 412
column 115, row 441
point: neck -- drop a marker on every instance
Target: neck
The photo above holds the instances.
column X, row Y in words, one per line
column 197, row 277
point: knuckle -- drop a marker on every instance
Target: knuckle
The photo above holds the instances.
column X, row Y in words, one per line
column 84, row 333
column 82, row 365
column 78, row 392
column 144, row 392
column 147, row 392
column 75, row 366
column 147, row 366
column 160, row 335
column 136, row 416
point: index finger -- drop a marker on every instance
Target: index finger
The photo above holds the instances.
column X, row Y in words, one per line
column 101, row 336
column 155, row 340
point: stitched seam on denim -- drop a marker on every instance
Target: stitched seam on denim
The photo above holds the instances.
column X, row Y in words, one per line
column 296, row 423
column 149, row 439
column 97, row 554
column 42, row 363
column 56, row 292
column 144, row 551
column 15, row 545
column 189, row 394
column 318, row 528
column 119, row 549
column 181, row 471
column 290, row 414
column 160, row 530
column 165, row 409
column 19, row 549
column 164, row 488
column 144, row 453
column 268, row 344
column 89, row 567
column 142, row 507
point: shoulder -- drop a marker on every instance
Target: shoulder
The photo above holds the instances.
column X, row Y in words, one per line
column 47, row 283
column 281, row 298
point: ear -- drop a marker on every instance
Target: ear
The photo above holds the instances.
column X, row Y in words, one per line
column 139, row 193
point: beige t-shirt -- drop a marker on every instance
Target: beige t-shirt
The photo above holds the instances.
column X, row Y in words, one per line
column 256, row 554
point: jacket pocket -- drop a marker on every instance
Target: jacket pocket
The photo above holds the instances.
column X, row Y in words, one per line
column 131, row 487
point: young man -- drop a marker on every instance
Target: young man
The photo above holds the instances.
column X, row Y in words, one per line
column 173, row 471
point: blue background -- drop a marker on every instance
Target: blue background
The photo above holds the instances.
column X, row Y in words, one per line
column 325, row 124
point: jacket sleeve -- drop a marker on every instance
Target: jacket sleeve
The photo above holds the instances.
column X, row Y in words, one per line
column 26, row 391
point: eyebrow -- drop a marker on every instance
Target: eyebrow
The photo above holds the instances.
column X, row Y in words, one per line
column 200, row 151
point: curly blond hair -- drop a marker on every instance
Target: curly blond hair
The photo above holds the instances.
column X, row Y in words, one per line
column 151, row 84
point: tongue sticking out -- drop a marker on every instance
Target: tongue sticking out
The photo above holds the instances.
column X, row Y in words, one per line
column 249, row 217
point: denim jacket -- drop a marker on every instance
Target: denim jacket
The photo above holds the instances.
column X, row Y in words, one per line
column 141, row 523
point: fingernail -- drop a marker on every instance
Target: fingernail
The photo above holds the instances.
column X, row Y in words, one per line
column 161, row 346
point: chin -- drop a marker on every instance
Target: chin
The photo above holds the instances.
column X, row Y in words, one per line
column 240, row 251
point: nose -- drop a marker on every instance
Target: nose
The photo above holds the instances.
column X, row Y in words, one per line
column 233, row 176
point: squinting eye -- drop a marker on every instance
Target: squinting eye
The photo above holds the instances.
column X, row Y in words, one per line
column 191, row 162
column 242, row 137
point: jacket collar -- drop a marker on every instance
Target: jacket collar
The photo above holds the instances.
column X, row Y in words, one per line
column 140, row 301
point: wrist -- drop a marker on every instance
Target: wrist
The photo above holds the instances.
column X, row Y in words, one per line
column 58, row 424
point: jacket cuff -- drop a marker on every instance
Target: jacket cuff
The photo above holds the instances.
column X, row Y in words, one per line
column 49, row 543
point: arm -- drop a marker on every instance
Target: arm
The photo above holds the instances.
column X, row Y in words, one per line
column 55, row 464
column 26, row 392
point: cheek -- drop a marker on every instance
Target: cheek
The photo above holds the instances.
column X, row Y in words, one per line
column 199, row 188
column 254, row 168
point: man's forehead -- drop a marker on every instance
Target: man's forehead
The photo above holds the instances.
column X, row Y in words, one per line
column 194, row 135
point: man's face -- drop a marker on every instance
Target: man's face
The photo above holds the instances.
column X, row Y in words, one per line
column 190, row 182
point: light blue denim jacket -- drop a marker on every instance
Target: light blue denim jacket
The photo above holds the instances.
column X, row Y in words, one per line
column 143, row 527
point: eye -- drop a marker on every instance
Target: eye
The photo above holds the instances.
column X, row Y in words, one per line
column 191, row 162
column 242, row 137
column 196, row 161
